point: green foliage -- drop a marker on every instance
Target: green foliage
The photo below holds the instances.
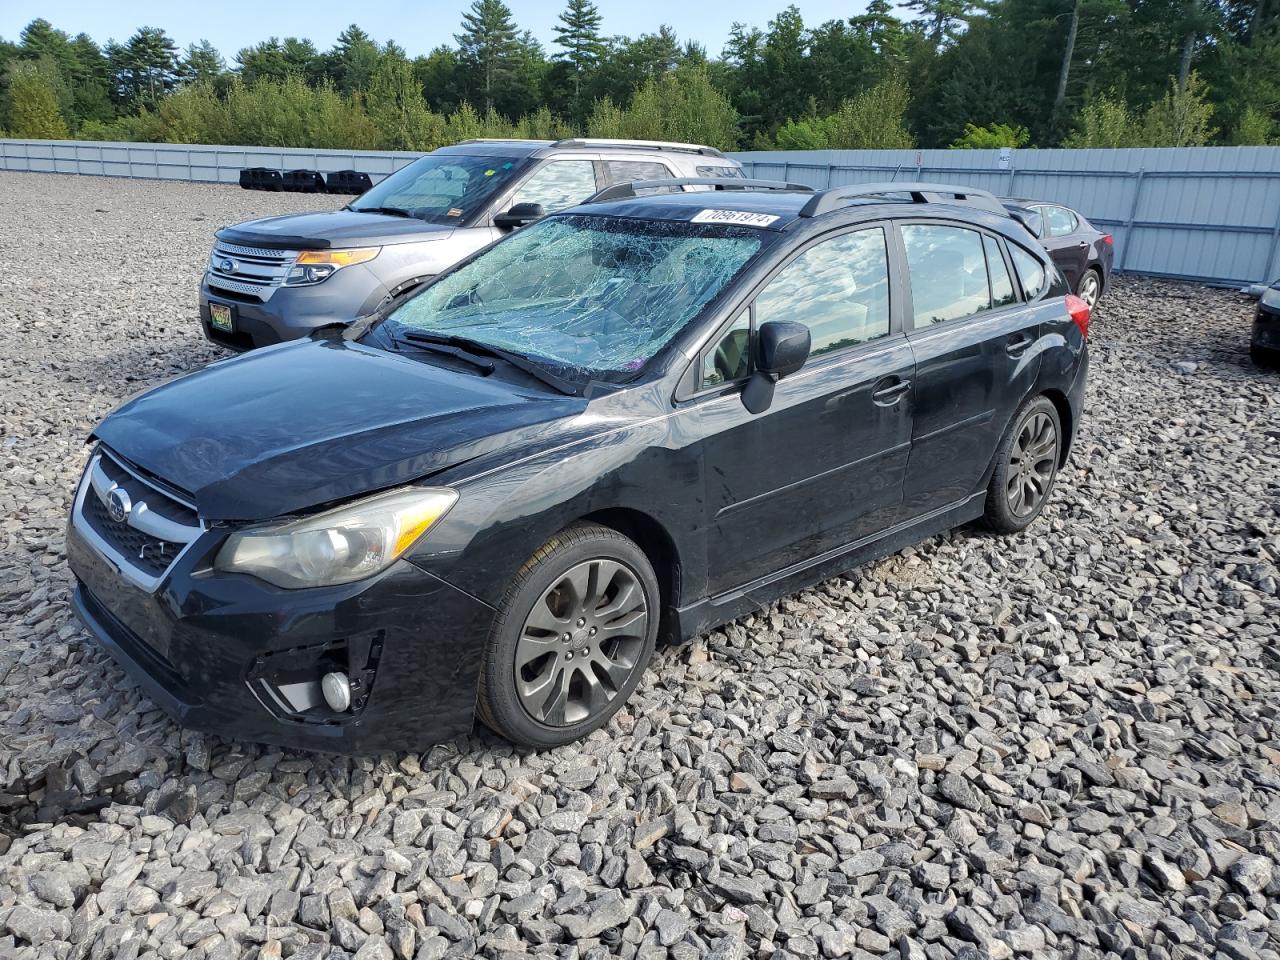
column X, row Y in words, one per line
column 1180, row 118
column 1255, row 129
column 959, row 72
column 992, row 136
column 680, row 105
column 872, row 120
column 32, row 110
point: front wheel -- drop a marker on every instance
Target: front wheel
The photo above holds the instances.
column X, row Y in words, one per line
column 571, row 639
column 1026, row 466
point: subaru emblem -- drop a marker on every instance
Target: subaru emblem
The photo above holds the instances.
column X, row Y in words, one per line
column 118, row 505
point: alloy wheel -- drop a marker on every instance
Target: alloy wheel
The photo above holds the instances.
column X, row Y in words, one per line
column 1090, row 289
column 581, row 642
column 1032, row 460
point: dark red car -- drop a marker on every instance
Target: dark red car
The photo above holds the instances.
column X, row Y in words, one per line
column 1082, row 252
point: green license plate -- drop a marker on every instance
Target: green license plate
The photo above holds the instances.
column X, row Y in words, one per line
column 220, row 317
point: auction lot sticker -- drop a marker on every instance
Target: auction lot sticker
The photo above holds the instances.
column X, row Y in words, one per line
column 741, row 218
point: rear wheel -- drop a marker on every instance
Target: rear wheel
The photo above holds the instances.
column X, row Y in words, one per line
column 1264, row 356
column 571, row 639
column 1026, row 466
column 1090, row 287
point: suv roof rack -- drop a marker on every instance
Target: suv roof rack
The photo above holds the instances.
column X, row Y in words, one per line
column 639, row 145
column 920, row 192
column 622, row 191
column 500, row 140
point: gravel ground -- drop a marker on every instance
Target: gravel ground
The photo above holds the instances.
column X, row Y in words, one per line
column 1063, row 744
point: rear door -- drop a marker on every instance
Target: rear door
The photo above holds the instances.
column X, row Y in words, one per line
column 976, row 357
column 1065, row 242
column 823, row 466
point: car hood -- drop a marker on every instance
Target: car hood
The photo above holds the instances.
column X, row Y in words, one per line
column 305, row 423
column 332, row 228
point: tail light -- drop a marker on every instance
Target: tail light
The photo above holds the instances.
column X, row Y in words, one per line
column 1108, row 239
column 1079, row 311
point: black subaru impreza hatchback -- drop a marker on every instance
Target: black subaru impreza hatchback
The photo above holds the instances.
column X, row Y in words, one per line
column 636, row 419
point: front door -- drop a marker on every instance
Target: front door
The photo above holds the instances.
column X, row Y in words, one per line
column 823, row 466
column 976, row 358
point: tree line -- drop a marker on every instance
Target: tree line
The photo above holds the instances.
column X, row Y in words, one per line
column 961, row 73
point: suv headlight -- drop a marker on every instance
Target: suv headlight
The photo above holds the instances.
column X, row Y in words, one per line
column 315, row 266
column 338, row 546
column 1271, row 298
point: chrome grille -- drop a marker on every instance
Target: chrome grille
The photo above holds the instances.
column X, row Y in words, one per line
column 251, row 271
column 149, row 528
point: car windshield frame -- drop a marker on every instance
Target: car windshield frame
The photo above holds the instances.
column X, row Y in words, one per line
column 708, row 274
column 494, row 174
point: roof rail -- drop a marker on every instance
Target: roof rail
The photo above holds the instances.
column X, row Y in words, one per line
column 499, row 140
column 639, row 145
column 827, row 200
column 623, row 191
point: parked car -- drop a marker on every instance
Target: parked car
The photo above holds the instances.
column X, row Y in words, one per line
column 283, row 277
column 1264, row 345
column 640, row 417
column 1082, row 252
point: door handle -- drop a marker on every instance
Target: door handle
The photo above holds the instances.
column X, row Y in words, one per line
column 1083, row 243
column 1018, row 344
column 890, row 391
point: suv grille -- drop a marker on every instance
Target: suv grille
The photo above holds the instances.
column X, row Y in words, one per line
column 149, row 527
column 249, row 271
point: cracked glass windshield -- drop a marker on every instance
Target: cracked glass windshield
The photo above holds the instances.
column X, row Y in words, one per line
column 582, row 294
column 440, row 189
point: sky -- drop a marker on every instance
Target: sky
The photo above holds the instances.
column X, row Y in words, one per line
column 417, row 26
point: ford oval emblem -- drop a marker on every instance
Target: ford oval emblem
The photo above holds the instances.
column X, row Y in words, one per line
column 118, row 505
column 227, row 265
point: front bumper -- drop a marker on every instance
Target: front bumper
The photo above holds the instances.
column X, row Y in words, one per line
column 215, row 650
column 1266, row 329
column 291, row 313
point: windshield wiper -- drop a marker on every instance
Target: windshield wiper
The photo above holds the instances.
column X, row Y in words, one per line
column 389, row 211
column 517, row 360
column 484, row 366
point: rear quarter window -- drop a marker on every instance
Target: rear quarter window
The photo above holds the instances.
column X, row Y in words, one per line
column 1031, row 272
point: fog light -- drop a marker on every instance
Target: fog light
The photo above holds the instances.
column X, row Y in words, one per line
column 337, row 691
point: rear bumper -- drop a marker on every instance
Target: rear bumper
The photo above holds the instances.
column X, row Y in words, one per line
column 291, row 313
column 216, row 651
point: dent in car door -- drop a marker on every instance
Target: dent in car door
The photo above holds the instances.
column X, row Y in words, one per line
column 976, row 358
column 823, row 466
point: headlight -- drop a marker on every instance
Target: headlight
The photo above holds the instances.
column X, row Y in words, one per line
column 1271, row 297
column 338, row 546
column 313, row 266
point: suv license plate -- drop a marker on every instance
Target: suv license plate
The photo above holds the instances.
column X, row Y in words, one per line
column 220, row 317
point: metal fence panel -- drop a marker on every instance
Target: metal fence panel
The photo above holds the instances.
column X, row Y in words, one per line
column 1199, row 213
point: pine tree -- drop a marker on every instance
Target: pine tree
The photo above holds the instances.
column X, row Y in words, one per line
column 942, row 18
column 33, row 103
column 146, row 67
column 583, row 44
column 488, row 48
column 353, row 60
column 201, row 63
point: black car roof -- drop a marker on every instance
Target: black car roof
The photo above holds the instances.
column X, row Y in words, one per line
column 786, row 207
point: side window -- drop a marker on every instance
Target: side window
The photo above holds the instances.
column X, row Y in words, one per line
column 948, row 272
column 1061, row 221
column 624, row 171
column 730, row 358
column 1002, row 293
column 1030, row 271
column 721, row 173
column 839, row 289
column 559, row 184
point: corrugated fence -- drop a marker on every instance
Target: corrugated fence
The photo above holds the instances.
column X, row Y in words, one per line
column 1199, row 213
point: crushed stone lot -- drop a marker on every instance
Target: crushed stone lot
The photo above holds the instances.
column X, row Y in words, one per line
column 1062, row 744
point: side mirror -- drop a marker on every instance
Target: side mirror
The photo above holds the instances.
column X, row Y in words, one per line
column 782, row 347
column 519, row 215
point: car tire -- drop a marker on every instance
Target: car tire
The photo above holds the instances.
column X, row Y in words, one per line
column 1026, row 465
column 547, row 678
column 1090, row 287
column 1264, row 356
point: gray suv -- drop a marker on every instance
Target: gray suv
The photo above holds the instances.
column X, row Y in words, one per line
column 283, row 277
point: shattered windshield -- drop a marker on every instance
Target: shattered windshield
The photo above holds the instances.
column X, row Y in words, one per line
column 440, row 188
column 583, row 294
